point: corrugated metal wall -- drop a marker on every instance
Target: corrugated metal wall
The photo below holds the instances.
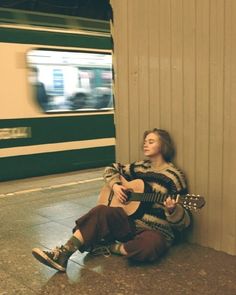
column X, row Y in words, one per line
column 175, row 68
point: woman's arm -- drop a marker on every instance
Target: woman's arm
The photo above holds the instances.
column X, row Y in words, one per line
column 176, row 214
column 179, row 218
column 113, row 172
column 112, row 175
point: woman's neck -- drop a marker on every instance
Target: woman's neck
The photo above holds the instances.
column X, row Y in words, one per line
column 158, row 163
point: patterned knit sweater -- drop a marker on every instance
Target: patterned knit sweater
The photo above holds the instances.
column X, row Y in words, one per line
column 168, row 180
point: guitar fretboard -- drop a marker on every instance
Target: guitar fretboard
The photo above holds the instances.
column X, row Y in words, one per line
column 151, row 197
column 188, row 201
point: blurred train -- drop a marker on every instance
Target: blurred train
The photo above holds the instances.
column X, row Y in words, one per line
column 56, row 105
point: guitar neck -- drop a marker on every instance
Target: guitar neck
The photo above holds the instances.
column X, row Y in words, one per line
column 157, row 197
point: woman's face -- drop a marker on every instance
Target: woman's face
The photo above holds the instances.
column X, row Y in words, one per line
column 152, row 145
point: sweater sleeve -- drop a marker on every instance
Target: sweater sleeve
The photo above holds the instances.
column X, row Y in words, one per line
column 113, row 172
column 180, row 217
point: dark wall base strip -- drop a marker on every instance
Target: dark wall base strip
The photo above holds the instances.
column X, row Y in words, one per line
column 53, row 38
column 59, row 129
column 58, row 162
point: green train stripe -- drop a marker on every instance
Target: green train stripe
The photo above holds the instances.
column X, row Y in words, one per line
column 11, row 35
column 32, row 18
column 34, row 131
column 58, row 162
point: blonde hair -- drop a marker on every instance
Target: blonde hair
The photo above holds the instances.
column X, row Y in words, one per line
column 167, row 145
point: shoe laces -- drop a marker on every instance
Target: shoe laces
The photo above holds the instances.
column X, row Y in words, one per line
column 101, row 250
column 56, row 252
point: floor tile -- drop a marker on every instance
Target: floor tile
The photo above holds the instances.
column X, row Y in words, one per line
column 45, row 218
column 11, row 286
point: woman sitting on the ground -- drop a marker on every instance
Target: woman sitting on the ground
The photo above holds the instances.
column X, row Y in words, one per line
column 142, row 237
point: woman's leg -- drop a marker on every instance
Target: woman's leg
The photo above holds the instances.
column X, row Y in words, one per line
column 103, row 222
column 148, row 245
column 99, row 223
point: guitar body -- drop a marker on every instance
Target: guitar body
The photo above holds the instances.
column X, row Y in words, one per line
column 107, row 198
column 136, row 195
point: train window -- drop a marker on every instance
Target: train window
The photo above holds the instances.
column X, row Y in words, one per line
column 71, row 81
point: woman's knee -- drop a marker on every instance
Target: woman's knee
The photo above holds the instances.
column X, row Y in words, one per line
column 105, row 210
column 100, row 209
column 152, row 239
column 148, row 246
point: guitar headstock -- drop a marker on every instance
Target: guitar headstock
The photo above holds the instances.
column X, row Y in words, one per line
column 191, row 201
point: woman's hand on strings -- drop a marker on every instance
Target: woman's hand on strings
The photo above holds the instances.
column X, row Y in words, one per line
column 119, row 192
column 170, row 204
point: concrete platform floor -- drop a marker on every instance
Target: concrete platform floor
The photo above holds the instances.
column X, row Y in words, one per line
column 40, row 212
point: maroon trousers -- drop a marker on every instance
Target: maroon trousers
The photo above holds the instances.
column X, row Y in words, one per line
column 112, row 223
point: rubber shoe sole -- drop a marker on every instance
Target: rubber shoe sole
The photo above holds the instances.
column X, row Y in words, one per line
column 43, row 258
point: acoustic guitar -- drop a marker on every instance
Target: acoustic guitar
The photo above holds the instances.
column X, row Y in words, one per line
column 136, row 195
